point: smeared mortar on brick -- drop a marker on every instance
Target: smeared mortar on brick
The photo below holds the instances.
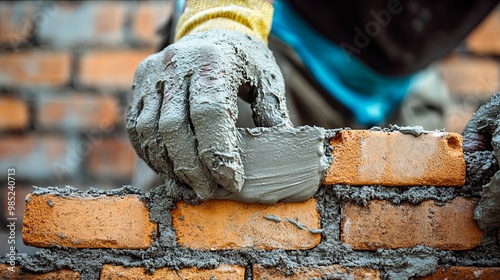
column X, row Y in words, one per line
column 184, row 107
column 281, row 164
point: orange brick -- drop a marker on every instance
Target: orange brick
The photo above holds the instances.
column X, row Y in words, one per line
column 14, row 113
column 465, row 273
column 87, row 222
column 92, row 23
column 466, row 76
column 220, row 224
column 149, row 18
column 484, row 39
column 364, row 157
column 113, row 157
column 382, row 224
column 18, row 274
column 110, row 69
column 16, row 22
column 329, row 272
column 221, row 272
column 35, row 68
column 78, row 111
column 33, row 155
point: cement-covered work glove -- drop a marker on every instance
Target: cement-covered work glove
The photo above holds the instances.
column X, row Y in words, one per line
column 482, row 133
column 181, row 120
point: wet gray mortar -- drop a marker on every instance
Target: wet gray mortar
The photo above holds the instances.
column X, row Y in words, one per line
column 394, row 264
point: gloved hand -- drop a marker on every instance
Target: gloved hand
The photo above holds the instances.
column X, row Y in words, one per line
column 482, row 133
column 181, row 120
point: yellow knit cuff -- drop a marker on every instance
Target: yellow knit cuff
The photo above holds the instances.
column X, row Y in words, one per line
column 253, row 17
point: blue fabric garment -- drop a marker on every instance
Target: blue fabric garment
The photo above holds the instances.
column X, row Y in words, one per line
column 370, row 96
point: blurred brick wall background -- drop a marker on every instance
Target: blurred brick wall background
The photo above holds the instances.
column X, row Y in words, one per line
column 65, row 74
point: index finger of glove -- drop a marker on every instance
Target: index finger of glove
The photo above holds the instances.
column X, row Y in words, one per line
column 213, row 112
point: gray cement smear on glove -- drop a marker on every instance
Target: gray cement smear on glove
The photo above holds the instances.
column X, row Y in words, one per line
column 281, row 163
column 488, row 212
column 199, row 79
column 482, row 137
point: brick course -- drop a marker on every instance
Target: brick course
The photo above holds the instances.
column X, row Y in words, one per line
column 87, row 222
column 221, row 272
column 364, row 157
column 72, row 110
column 35, row 68
column 381, row 224
column 219, row 224
column 110, row 69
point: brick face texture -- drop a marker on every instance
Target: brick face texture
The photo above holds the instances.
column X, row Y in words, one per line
column 381, row 224
column 329, row 272
column 362, row 157
column 242, row 225
column 96, row 67
column 87, row 222
column 35, row 68
column 222, row 272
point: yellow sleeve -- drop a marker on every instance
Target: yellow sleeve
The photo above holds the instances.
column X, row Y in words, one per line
column 252, row 17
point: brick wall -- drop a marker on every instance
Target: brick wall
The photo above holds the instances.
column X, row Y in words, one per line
column 420, row 227
column 65, row 74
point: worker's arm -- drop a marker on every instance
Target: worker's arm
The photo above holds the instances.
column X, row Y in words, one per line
column 181, row 119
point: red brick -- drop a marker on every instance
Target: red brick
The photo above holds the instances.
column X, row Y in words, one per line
column 14, row 113
column 221, row 272
column 72, row 24
column 112, row 157
column 32, row 155
column 149, row 17
column 35, row 68
column 466, row 76
column 110, row 69
column 382, row 224
column 19, row 274
column 220, row 224
column 328, row 272
column 484, row 39
column 16, row 22
column 87, row 222
column 364, row 157
column 81, row 111
column 465, row 273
